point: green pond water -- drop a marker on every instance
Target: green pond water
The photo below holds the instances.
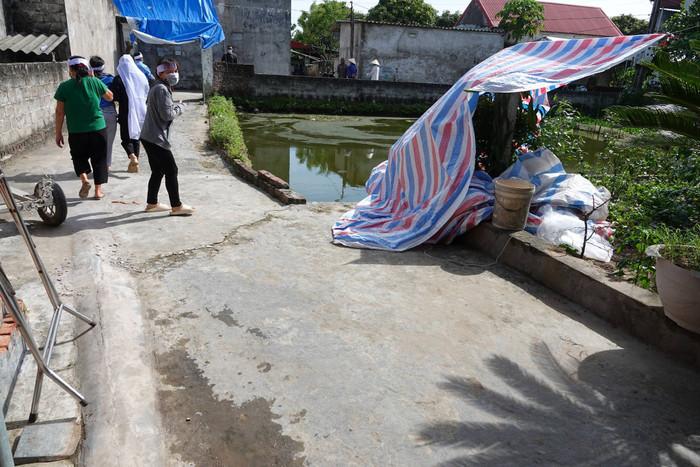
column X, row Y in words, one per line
column 324, row 158
column 329, row 158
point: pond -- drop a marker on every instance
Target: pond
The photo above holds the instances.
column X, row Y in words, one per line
column 329, row 158
column 324, row 158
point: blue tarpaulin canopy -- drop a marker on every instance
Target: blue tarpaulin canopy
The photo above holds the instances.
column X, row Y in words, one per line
column 173, row 21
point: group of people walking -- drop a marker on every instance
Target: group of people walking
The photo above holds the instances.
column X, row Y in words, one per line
column 145, row 114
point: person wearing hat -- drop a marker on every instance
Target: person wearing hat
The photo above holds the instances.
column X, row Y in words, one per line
column 352, row 69
column 374, row 74
column 138, row 60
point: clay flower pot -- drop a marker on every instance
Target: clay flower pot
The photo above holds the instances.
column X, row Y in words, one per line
column 679, row 290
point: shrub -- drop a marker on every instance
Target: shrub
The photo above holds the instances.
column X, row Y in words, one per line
column 224, row 131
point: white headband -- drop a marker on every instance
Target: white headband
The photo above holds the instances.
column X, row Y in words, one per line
column 99, row 68
column 79, row 61
column 139, row 56
column 166, row 67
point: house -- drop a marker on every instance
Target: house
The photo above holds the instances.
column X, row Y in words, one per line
column 563, row 21
column 258, row 30
column 31, row 30
column 36, row 37
column 414, row 53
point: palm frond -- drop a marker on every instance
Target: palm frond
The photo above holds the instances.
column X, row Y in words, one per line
column 667, row 117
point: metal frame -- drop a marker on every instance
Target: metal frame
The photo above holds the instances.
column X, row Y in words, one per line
column 27, row 202
column 7, row 294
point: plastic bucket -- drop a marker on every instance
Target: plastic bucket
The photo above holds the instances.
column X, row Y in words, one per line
column 512, row 203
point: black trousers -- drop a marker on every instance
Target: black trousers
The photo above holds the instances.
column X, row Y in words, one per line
column 90, row 149
column 131, row 146
column 162, row 165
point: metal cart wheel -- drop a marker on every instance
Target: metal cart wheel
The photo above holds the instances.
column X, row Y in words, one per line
column 55, row 213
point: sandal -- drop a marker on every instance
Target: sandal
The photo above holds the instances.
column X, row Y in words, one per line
column 133, row 167
column 184, row 210
column 160, row 207
column 85, row 190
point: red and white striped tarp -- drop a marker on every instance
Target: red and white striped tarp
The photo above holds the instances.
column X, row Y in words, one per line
column 427, row 190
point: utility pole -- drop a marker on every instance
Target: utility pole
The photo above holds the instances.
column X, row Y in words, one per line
column 352, row 32
column 640, row 73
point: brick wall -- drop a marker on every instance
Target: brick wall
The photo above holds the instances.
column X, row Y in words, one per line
column 27, row 105
column 241, row 80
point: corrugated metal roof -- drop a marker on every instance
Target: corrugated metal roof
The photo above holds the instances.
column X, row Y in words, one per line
column 31, row 44
column 561, row 18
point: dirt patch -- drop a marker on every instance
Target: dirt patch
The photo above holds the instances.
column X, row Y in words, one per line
column 210, row 432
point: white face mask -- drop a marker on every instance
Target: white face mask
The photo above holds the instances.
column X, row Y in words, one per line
column 173, row 78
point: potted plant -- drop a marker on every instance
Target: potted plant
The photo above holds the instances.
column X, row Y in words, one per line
column 678, row 275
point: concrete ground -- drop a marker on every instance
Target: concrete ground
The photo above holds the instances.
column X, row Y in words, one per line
column 242, row 336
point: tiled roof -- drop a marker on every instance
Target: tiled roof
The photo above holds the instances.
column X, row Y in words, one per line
column 30, row 44
column 567, row 19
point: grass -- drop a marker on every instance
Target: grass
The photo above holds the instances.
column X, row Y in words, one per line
column 681, row 247
column 225, row 133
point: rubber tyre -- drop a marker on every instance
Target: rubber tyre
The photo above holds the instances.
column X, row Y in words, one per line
column 56, row 214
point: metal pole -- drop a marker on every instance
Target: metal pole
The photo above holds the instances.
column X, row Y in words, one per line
column 5, row 449
column 352, row 32
column 7, row 294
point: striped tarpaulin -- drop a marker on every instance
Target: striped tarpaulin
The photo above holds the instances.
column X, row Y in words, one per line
column 428, row 190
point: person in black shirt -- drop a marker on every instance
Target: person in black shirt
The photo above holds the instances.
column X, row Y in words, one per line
column 229, row 56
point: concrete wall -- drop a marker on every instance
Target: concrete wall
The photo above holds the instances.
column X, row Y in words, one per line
column 3, row 19
column 241, row 80
column 26, row 103
column 39, row 16
column 417, row 54
column 589, row 103
column 259, row 31
column 92, row 30
column 189, row 56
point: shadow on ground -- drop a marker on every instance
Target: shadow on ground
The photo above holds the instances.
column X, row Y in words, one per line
column 614, row 409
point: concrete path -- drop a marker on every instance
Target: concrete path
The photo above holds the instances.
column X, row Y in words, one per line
column 242, row 336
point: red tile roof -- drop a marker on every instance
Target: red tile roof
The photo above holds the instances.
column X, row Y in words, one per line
column 567, row 19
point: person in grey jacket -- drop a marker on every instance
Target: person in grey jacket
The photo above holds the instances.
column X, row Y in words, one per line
column 160, row 113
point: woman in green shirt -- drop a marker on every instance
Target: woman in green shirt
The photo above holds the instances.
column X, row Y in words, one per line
column 78, row 100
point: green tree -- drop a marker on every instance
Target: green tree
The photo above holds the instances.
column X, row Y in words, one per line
column 685, row 26
column 521, row 18
column 680, row 97
column 316, row 23
column 629, row 25
column 447, row 19
column 403, row 12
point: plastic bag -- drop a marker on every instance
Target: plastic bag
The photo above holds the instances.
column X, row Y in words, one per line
column 564, row 227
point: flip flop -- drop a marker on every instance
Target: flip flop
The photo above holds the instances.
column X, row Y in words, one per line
column 84, row 190
column 184, row 210
column 133, row 167
column 99, row 196
column 160, row 207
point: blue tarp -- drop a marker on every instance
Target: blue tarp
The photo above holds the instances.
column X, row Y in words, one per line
column 173, row 21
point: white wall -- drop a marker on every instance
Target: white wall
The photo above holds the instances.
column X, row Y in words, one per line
column 417, row 54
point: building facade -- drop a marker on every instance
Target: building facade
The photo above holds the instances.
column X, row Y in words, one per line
column 418, row 54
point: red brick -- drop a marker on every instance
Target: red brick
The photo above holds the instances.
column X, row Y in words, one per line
column 8, row 319
column 5, row 341
column 6, row 329
column 272, row 179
